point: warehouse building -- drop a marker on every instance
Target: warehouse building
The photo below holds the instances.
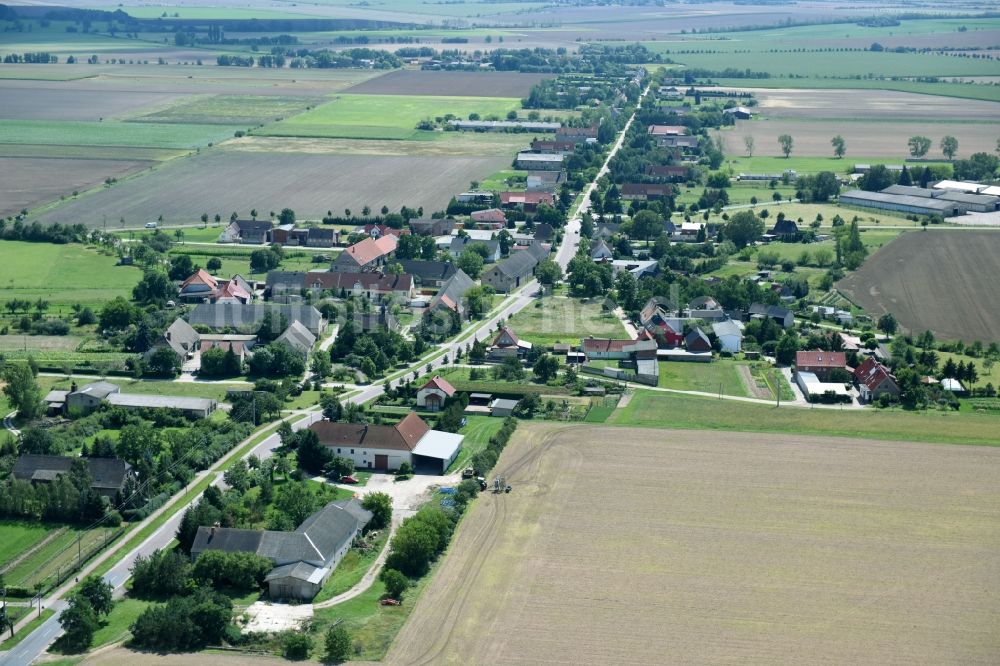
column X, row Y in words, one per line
column 969, row 202
column 901, row 203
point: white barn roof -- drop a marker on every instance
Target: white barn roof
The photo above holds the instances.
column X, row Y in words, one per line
column 438, row 444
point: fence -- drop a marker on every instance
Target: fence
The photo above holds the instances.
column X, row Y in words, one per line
column 59, row 566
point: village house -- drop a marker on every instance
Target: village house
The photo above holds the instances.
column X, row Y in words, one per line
column 381, row 317
column 432, row 395
column 544, row 181
column 577, row 134
column 376, row 231
column 645, row 191
column 180, row 337
column 87, row 398
column 203, row 287
column 667, row 130
column 599, row 251
column 451, row 295
column 510, row 273
column 303, row 559
column 297, row 338
column 369, row 254
column 386, row 447
column 697, row 342
column 491, row 218
column 107, row 475
column 460, row 244
column 431, row 227
column 506, row 344
column 640, row 356
column 739, row 112
column 247, row 232
column 730, row 335
column 668, row 172
column 428, row 273
column 683, row 142
column 875, row 380
column 782, row 316
column 550, row 147
column 373, row 286
column 527, row 201
column 785, row 230
column 820, row 363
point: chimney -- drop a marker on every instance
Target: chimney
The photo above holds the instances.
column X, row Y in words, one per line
column 72, row 387
column 167, row 335
column 213, row 530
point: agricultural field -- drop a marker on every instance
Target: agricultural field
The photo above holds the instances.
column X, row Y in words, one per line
column 563, row 319
column 467, row 84
column 62, row 275
column 966, row 87
column 934, row 281
column 230, row 109
column 17, row 538
column 384, row 116
column 222, row 181
column 452, row 144
column 111, row 133
column 864, row 138
column 892, row 106
column 725, row 535
column 32, row 181
column 712, row 377
column 28, row 101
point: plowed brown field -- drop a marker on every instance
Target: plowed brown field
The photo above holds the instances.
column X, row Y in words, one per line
column 628, row 546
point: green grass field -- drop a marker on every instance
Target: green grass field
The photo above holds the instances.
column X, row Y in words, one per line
column 62, row 275
column 112, row 133
column 16, row 537
column 351, row 569
column 651, row 410
column 477, row 433
column 564, row 319
column 819, row 64
column 706, row 377
column 54, row 557
column 384, row 116
column 148, row 386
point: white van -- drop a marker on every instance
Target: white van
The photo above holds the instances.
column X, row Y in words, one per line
column 151, row 225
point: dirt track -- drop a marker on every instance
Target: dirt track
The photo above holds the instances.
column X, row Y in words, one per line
column 643, row 546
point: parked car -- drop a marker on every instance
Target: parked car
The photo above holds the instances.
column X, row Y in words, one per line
column 389, row 602
column 348, row 479
column 151, row 225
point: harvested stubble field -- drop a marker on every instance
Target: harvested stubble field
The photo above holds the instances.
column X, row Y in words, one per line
column 32, row 181
column 229, row 109
column 890, row 105
column 863, row 137
column 62, row 101
column 653, row 547
column 468, row 84
column 934, row 281
column 222, row 181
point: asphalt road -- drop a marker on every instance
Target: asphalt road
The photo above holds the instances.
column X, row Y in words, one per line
column 38, row 641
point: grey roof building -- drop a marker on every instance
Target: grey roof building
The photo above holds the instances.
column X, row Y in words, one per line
column 428, row 273
column 510, row 273
column 900, row 202
column 248, row 316
column 451, row 292
column 108, row 475
column 303, row 559
column 193, row 407
column 180, row 337
column 298, row 338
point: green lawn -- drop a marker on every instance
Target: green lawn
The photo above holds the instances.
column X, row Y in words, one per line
column 38, row 620
column 564, row 319
column 112, row 133
column 706, row 377
column 53, row 558
column 477, row 431
column 351, row 569
column 384, row 116
column 62, row 275
column 504, row 180
column 115, row 627
column 149, row 386
column 653, row 410
column 18, row 536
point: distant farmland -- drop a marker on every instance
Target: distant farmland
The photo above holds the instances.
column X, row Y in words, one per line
column 468, row 84
column 384, row 116
column 942, row 281
column 222, row 181
column 630, row 546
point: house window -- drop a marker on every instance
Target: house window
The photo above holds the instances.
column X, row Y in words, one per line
column 352, row 451
column 338, row 450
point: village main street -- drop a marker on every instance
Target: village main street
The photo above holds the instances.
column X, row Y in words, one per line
column 42, row 637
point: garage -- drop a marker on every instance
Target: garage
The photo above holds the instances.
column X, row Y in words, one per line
column 436, row 451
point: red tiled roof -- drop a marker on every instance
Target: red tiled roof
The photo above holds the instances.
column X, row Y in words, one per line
column 527, row 198
column 232, row 289
column 411, row 429
column 384, row 230
column 369, row 249
column 604, row 344
column 647, row 189
column 506, row 330
column 820, row 359
column 201, row 276
column 403, row 436
column 441, row 384
column 489, row 215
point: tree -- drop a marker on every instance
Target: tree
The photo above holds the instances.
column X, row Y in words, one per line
column 979, row 167
column 949, row 146
column 154, row 287
column 647, row 224
column 181, row 266
column 22, row 390
column 262, row 261
column 748, row 143
column 471, row 262
column 744, row 228
column 380, row 504
column 163, row 362
column 286, row 216
column 395, row 583
column 79, row 622
column 919, row 145
column 214, row 264
column 877, row 179
column 165, row 572
column 312, row 455
column 786, row 142
column 548, row 272
column 546, row 368
column 887, row 324
column 98, row 593
column 338, row 644
column 839, row 146
column 788, row 344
